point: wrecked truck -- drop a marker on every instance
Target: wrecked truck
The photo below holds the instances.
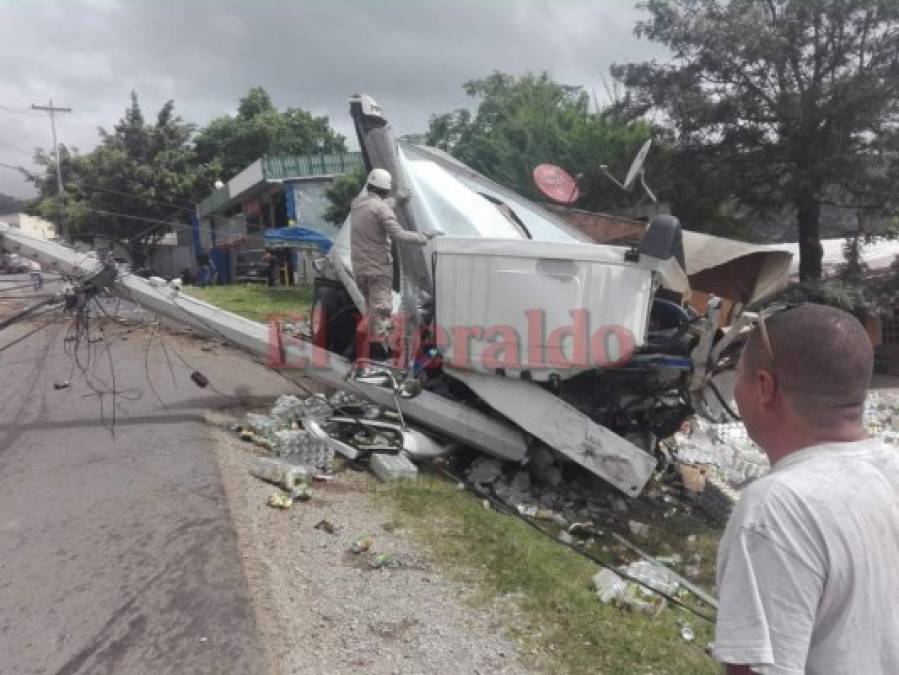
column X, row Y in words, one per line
column 591, row 349
column 516, row 329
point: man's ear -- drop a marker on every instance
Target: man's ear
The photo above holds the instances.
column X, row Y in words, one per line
column 765, row 386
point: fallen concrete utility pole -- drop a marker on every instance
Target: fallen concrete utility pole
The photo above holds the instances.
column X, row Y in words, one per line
column 449, row 418
column 565, row 429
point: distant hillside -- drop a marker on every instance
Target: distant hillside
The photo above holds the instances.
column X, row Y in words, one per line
column 11, row 204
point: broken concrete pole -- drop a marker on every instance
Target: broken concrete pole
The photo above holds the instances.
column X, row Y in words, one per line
column 392, row 467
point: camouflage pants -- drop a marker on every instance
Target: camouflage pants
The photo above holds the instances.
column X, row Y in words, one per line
column 377, row 292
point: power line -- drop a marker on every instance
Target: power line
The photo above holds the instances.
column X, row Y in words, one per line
column 15, row 111
column 15, row 147
column 138, row 197
column 142, row 218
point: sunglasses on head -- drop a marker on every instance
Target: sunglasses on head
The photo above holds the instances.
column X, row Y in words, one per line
column 763, row 329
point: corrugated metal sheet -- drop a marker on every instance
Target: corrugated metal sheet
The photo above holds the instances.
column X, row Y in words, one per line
column 309, row 166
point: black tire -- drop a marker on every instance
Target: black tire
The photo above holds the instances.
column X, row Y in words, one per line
column 333, row 318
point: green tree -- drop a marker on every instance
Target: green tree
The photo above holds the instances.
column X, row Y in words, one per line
column 138, row 184
column 233, row 142
column 341, row 193
column 521, row 122
column 779, row 103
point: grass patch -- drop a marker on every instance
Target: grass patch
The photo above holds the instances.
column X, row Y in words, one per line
column 558, row 611
column 256, row 301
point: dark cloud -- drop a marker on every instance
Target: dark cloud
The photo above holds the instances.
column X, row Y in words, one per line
column 411, row 55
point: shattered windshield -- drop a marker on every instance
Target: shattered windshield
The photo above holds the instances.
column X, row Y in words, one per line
column 442, row 203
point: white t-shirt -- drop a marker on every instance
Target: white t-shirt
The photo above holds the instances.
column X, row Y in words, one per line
column 808, row 568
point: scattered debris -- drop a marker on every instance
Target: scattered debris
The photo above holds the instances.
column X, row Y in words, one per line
column 304, row 447
column 638, row 529
column 393, row 467
column 62, row 385
column 199, row 379
column 612, row 588
column 485, row 471
column 384, row 561
column 882, row 416
column 609, row 586
column 279, row 500
column 261, row 425
column 686, row 632
column 583, row 530
column 325, row 525
column 361, row 545
column 301, row 493
column 288, row 476
column 655, row 562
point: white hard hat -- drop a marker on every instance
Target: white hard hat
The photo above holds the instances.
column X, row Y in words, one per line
column 380, row 178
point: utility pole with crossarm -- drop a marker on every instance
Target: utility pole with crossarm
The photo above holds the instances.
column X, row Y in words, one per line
column 52, row 110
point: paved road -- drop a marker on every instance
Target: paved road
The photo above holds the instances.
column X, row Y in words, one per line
column 117, row 554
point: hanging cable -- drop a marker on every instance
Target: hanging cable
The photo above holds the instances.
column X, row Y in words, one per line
column 27, row 311
column 28, row 334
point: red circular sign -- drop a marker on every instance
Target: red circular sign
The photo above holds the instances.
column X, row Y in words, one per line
column 556, row 183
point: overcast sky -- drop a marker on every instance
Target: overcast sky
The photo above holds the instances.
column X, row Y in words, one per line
column 412, row 56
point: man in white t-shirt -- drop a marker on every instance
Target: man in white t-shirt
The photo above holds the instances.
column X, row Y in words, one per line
column 808, row 568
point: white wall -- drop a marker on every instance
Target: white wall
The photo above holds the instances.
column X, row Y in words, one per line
column 31, row 225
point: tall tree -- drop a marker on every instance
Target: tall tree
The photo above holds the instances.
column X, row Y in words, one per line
column 524, row 121
column 234, row 142
column 783, row 102
column 341, row 193
column 135, row 186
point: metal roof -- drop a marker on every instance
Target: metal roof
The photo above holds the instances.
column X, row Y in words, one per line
column 277, row 169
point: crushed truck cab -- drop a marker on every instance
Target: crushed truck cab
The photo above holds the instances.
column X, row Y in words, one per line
column 513, row 329
column 589, row 348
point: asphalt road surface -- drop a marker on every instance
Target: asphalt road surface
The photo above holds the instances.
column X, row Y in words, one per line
column 117, row 551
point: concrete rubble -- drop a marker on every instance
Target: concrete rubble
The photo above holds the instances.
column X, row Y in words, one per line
column 295, row 430
column 392, row 467
column 726, row 451
column 716, row 460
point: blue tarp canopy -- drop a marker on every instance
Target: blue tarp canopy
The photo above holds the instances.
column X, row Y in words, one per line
column 297, row 236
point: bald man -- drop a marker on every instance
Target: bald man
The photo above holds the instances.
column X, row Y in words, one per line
column 808, row 568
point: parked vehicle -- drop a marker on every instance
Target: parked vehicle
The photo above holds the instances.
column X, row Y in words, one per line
column 13, row 263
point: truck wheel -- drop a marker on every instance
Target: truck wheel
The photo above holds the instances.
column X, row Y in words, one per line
column 333, row 319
